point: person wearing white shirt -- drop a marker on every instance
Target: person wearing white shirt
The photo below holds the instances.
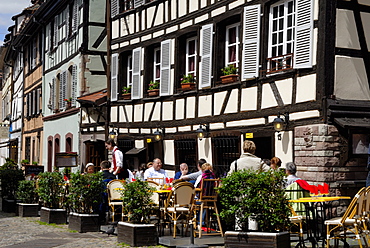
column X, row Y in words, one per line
column 155, row 171
column 118, row 167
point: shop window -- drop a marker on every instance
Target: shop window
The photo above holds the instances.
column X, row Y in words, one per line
column 186, row 152
column 225, row 150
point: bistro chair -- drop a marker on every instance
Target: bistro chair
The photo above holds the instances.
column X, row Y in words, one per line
column 340, row 227
column 115, row 202
column 158, row 180
column 293, row 192
column 297, row 222
column 207, row 201
column 179, row 204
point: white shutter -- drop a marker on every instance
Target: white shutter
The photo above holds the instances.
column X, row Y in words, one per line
column 74, row 85
column 53, row 96
column 114, row 8
column 251, row 40
column 165, row 84
column 38, row 101
column 62, row 89
column 56, row 31
column 34, row 53
column 114, row 78
column 33, row 102
column 206, row 41
column 74, row 17
column 27, row 110
column 138, row 3
column 303, row 34
column 136, row 73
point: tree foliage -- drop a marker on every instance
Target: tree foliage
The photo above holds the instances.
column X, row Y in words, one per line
column 51, row 189
column 10, row 176
column 26, row 192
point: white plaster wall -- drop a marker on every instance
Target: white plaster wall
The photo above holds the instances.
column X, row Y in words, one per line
column 249, row 99
column 173, row 10
column 148, row 109
column 219, row 99
column 205, row 150
column 218, row 11
column 365, row 17
column 139, row 143
column 115, row 29
column 167, row 111
column 203, row 3
column 180, row 106
column 306, row 88
column 346, row 30
column 129, row 110
column 249, row 122
column 182, row 8
column 138, row 113
column 169, row 152
column 284, row 147
column 351, row 81
column 122, row 116
column 157, row 112
column 114, row 114
column 150, row 15
column 314, row 46
column 268, row 98
column 236, row 4
column 193, row 6
column 285, row 89
column 232, row 105
column 205, row 106
column 190, row 107
column 159, row 16
column 364, row 2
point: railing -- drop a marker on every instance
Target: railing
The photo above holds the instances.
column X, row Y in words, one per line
column 280, row 63
column 127, row 5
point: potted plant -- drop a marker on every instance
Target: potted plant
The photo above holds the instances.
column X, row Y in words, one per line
column 85, row 196
column 137, row 231
column 51, row 191
column 25, row 162
column 10, row 176
column 153, row 89
column 188, row 82
column 126, row 93
column 230, row 74
column 248, row 195
column 68, row 102
column 28, row 197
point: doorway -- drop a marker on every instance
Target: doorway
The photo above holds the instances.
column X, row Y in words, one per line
column 95, row 153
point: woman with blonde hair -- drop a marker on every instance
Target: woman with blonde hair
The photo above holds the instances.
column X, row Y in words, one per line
column 275, row 163
column 207, row 173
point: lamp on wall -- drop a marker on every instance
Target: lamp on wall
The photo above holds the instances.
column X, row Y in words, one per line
column 158, row 134
column 280, row 123
column 112, row 134
column 202, row 132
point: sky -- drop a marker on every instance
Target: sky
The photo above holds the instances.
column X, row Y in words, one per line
column 9, row 8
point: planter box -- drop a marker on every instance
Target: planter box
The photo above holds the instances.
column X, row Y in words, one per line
column 84, row 222
column 9, row 206
column 229, row 78
column 126, row 96
column 257, row 239
column 137, row 234
column 28, row 210
column 187, row 86
column 154, row 92
column 50, row 215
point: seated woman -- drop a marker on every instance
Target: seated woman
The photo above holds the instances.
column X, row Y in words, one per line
column 207, row 173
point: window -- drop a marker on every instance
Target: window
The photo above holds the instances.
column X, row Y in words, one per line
column 232, row 45
column 157, row 65
column 27, row 149
column 225, row 150
column 186, row 152
column 191, row 56
column 281, row 40
column 129, row 70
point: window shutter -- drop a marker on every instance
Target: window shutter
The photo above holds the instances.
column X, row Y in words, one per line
column 53, row 96
column 136, row 71
column 251, row 39
column 303, row 34
column 114, row 8
column 206, row 40
column 114, row 78
column 165, row 84
column 38, row 101
column 27, row 105
column 66, row 25
column 55, row 31
column 138, row 3
column 75, row 17
column 62, row 89
column 33, row 102
column 74, row 85
column 34, row 53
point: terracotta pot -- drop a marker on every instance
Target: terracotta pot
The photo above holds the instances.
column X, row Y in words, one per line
column 229, row 78
column 126, row 96
column 154, row 92
column 188, row 86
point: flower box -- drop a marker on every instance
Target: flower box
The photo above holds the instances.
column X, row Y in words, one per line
column 84, row 222
column 28, row 209
column 257, row 239
column 51, row 215
column 154, row 92
column 137, row 234
column 229, row 78
column 187, row 86
column 126, row 96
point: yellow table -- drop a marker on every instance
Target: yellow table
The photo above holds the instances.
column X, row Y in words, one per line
column 321, row 199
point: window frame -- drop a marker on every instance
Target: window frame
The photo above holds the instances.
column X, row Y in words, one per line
column 236, row 44
column 156, row 55
column 188, row 55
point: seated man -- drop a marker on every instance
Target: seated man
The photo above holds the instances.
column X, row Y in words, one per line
column 184, row 170
column 192, row 177
column 156, row 171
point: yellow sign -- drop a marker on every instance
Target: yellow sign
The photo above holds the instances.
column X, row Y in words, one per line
column 148, row 140
column 249, row 135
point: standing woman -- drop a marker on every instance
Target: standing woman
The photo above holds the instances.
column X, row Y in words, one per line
column 118, row 168
column 275, row 163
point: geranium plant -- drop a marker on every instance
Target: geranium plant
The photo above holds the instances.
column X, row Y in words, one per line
column 68, row 99
column 153, row 85
column 188, row 79
column 126, row 90
column 229, row 70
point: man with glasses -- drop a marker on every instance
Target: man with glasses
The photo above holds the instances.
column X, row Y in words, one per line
column 156, row 170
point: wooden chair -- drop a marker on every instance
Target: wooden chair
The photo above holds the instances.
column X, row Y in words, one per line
column 207, row 201
column 179, row 204
column 159, row 180
column 115, row 202
column 340, row 227
column 297, row 221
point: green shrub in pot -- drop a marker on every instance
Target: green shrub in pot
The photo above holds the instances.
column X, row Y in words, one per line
column 26, row 192
column 10, row 176
column 51, row 189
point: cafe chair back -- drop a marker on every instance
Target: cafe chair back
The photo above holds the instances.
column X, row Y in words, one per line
column 349, row 225
column 115, row 202
column 179, row 204
column 295, row 191
column 158, row 180
column 157, row 186
column 297, row 222
column 207, row 201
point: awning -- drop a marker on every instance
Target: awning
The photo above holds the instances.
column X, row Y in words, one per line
column 353, row 122
column 96, row 98
column 135, row 151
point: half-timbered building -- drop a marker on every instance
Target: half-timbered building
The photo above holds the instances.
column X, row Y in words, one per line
column 305, row 60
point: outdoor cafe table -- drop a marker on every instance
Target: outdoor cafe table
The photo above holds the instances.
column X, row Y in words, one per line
column 163, row 195
column 317, row 210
